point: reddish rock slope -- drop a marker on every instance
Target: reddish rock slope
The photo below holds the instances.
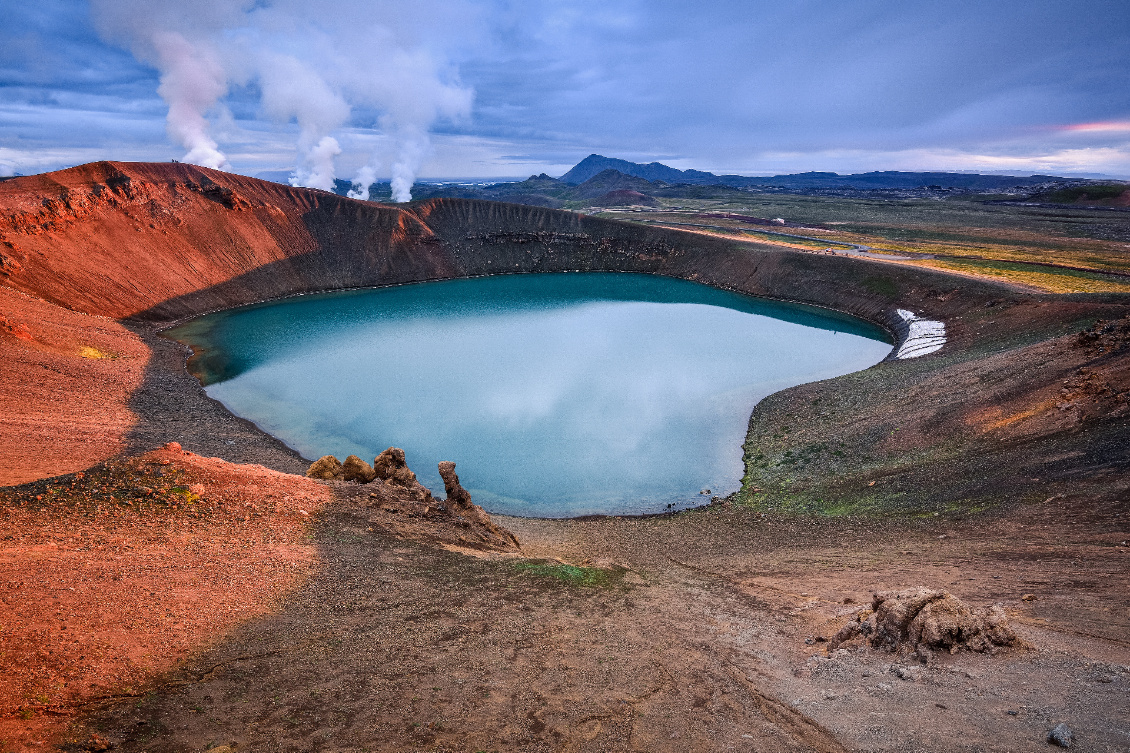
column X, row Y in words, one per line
column 118, row 239
column 85, row 247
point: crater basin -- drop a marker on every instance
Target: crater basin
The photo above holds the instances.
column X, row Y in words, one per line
column 557, row 395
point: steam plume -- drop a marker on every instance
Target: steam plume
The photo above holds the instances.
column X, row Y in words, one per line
column 303, row 57
column 365, row 177
column 316, row 168
column 413, row 144
column 192, row 82
column 292, row 91
column 176, row 43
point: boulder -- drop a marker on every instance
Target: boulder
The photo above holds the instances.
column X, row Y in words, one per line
column 457, row 496
column 1061, row 735
column 391, row 466
column 895, row 610
column 356, row 469
column 326, row 468
column 922, row 620
column 949, row 624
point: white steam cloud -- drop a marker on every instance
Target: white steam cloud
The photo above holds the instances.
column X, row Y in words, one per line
column 192, row 82
column 291, row 91
column 317, row 65
column 414, row 145
column 365, row 177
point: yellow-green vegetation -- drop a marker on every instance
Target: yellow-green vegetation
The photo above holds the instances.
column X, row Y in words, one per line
column 1061, row 249
column 1048, row 279
column 87, row 351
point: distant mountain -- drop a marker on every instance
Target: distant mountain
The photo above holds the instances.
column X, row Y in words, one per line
column 603, row 181
column 613, row 180
column 623, row 197
column 537, row 190
column 594, row 164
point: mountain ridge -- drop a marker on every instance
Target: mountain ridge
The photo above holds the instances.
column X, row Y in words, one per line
column 596, row 175
column 657, row 171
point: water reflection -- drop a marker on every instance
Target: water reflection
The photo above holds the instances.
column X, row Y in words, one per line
column 555, row 394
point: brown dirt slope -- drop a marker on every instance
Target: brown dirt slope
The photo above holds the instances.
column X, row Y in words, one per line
column 112, row 575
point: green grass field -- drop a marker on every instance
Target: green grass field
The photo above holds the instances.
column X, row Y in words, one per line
column 1065, row 249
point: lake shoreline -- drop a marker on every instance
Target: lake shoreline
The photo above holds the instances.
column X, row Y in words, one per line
column 601, row 393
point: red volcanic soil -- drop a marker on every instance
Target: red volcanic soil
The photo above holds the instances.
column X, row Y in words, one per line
column 65, row 383
column 102, row 596
column 111, row 575
column 117, row 239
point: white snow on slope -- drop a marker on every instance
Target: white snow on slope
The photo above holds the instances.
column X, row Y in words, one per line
column 923, row 336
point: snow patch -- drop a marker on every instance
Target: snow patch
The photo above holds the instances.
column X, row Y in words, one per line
column 923, row 336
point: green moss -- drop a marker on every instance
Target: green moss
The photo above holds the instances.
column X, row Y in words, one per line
column 1087, row 193
column 883, row 286
column 574, row 575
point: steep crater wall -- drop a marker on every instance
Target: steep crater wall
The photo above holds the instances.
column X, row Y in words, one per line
column 143, row 245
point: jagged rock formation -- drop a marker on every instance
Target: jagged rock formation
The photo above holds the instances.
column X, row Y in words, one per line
column 457, row 496
column 404, row 506
column 392, row 467
column 923, row 618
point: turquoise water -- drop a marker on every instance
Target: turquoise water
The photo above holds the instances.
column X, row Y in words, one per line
column 556, row 394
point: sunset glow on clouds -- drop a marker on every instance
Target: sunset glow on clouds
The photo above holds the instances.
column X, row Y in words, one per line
column 1109, row 126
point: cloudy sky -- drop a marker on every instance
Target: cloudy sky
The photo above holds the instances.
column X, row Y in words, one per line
column 482, row 88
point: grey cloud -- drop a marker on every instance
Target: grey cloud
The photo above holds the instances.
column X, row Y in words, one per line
column 716, row 85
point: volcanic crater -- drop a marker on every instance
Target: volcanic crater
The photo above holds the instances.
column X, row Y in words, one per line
column 995, row 467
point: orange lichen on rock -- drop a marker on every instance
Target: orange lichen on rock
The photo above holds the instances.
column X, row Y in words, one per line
column 110, row 576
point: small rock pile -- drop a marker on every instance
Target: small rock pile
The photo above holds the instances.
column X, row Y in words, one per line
column 389, row 466
column 922, row 619
column 1106, row 336
column 395, row 492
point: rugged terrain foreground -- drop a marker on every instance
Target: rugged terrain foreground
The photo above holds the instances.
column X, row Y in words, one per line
column 165, row 597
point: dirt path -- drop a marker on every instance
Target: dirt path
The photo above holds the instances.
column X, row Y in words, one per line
column 704, row 641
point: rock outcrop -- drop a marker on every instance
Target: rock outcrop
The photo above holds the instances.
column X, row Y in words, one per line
column 326, row 468
column 402, row 505
column 356, row 469
column 457, row 496
column 392, row 467
column 922, row 618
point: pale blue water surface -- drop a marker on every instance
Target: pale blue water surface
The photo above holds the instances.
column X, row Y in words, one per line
column 556, row 394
